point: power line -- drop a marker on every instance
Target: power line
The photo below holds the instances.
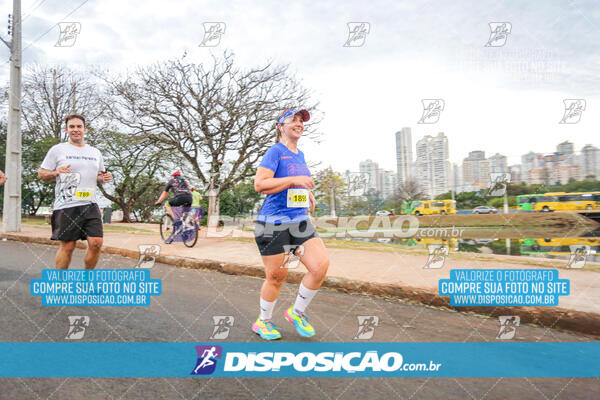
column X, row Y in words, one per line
column 53, row 26
column 31, row 12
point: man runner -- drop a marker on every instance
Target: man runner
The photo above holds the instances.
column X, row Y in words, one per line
column 77, row 168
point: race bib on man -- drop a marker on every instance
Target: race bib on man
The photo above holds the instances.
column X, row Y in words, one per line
column 88, row 194
column 297, row 198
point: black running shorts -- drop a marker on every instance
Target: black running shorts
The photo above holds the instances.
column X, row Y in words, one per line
column 76, row 223
column 273, row 239
column 181, row 201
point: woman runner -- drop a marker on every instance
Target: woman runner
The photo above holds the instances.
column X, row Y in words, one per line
column 283, row 225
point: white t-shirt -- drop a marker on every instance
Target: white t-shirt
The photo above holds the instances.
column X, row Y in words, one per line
column 79, row 187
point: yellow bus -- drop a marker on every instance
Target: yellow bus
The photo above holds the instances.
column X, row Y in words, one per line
column 429, row 207
column 562, row 201
column 452, row 243
column 555, row 246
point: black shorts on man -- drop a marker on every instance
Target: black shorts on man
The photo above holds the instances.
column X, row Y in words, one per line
column 76, row 223
column 275, row 239
column 181, row 201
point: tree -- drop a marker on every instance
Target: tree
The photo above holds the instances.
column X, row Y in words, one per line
column 214, row 114
column 408, row 191
column 329, row 186
column 357, row 206
column 498, row 202
column 35, row 192
column 134, row 163
column 239, row 200
column 50, row 94
column 144, row 203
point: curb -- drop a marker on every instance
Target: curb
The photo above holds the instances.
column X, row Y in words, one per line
column 547, row 317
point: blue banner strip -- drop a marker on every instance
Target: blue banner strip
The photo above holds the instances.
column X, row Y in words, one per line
column 297, row 359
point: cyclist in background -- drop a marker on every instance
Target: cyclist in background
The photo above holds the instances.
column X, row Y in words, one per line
column 181, row 192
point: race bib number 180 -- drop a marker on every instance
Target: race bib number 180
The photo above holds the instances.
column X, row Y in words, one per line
column 297, row 198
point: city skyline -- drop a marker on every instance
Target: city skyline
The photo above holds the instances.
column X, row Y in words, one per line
column 438, row 175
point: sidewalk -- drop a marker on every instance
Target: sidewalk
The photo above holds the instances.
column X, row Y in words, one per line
column 395, row 273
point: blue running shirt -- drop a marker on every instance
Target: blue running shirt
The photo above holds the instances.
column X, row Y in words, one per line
column 283, row 162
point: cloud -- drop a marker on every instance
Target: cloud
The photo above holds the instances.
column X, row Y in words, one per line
column 501, row 99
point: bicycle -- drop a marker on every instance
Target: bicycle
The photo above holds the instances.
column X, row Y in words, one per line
column 186, row 226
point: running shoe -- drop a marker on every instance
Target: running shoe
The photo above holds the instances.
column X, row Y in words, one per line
column 266, row 329
column 300, row 321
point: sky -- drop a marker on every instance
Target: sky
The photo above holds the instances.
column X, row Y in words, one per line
column 505, row 99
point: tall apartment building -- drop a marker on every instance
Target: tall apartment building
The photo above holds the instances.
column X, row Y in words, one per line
column 404, row 155
column 590, row 161
column 370, row 167
column 380, row 180
column 567, row 173
column 432, row 165
column 567, row 149
column 516, row 175
column 498, row 163
column 529, row 162
column 388, row 183
column 471, row 168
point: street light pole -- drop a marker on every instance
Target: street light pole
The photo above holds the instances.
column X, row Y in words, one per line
column 11, row 218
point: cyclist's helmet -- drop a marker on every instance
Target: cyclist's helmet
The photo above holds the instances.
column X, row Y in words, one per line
column 176, row 173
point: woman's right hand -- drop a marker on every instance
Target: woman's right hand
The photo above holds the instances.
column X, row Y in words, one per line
column 304, row 181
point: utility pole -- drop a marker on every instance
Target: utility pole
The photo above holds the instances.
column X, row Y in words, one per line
column 332, row 201
column 11, row 218
column 506, row 212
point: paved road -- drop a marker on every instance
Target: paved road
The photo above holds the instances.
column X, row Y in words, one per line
column 183, row 313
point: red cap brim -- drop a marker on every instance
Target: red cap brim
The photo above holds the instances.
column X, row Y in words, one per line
column 305, row 115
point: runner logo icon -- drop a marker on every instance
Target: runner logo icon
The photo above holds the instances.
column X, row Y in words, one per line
column 437, row 256
column 499, row 32
column 432, row 109
column 573, row 110
column 77, row 325
column 207, row 359
column 223, row 324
